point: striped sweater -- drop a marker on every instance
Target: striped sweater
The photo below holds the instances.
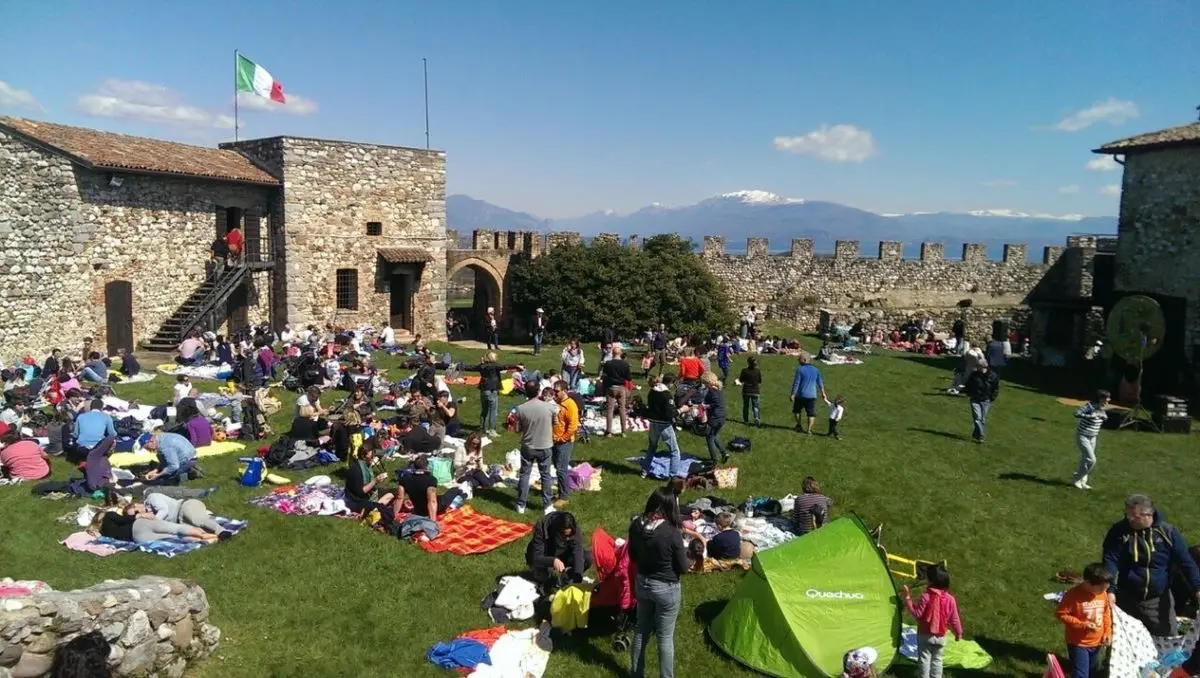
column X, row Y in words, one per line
column 1091, row 417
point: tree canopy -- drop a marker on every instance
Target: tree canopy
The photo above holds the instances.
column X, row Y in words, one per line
column 586, row 287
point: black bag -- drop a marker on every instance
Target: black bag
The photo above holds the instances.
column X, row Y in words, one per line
column 739, row 444
column 159, row 413
column 128, row 427
column 280, row 452
column 701, row 468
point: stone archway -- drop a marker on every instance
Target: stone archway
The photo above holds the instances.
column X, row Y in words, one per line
column 489, row 293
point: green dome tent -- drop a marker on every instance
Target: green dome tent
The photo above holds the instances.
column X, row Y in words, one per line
column 805, row 604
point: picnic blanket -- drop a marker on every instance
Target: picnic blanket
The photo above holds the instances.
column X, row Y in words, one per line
column 144, row 456
column 660, row 465
column 167, row 548
column 215, row 372
column 467, row 532
column 305, row 500
column 139, row 378
column 959, row 654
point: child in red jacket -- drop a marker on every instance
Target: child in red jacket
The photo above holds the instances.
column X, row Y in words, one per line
column 936, row 612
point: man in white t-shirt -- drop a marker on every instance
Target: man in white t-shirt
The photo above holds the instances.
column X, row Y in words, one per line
column 387, row 336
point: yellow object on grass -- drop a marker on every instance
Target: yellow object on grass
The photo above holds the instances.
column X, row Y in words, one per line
column 569, row 609
column 506, row 386
column 277, row 479
column 143, row 456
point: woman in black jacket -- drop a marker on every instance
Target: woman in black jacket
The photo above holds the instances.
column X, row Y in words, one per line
column 656, row 547
column 751, row 382
column 714, row 402
column 556, row 554
column 489, row 390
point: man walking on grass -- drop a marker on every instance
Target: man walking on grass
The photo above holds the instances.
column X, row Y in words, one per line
column 535, row 421
column 982, row 387
column 806, row 385
column 1091, row 417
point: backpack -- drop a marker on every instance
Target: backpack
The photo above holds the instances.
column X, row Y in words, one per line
column 128, row 427
column 279, row 453
column 159, row 413
column 739, row 444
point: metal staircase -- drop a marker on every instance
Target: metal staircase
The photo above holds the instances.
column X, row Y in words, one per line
column 202, row 311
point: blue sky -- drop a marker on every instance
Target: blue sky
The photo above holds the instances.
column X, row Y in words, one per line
column 563, row 108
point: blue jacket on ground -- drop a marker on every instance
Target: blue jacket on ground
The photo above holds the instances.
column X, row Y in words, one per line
column 91, row 427
column 808, row 382
column 1140, row 562
column 174, row 451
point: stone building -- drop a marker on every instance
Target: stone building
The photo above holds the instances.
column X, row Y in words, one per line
column 1158, row 238
column 108, row 236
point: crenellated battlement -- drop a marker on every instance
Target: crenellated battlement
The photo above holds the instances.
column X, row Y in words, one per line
column 1015, row 254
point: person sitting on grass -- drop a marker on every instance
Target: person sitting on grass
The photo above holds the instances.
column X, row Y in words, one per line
column 1086, row 613
column 419, row 486
column 21, row 458
column 811, row 509
column 556, row 554
column 727, row 545
column 474, row 471
column 361, row 484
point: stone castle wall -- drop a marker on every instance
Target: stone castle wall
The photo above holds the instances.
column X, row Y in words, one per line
column 65, row 232
column 156, row 626
column 1158, row 251
column 331, row 191
column 847, row 280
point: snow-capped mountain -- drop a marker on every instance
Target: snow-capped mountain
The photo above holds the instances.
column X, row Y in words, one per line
column 762, row 214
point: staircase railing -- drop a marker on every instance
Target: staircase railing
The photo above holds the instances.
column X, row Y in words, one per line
column 226, row 282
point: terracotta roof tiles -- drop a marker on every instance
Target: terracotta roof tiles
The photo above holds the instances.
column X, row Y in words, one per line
column 405, row 255
column 1184, row 135
column 121, row 152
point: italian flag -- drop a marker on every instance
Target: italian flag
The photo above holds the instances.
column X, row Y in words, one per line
column 254, row 78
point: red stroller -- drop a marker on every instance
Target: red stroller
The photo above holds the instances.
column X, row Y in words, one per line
column 615, row 574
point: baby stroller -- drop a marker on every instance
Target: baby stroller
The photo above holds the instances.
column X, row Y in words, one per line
column 615, row 574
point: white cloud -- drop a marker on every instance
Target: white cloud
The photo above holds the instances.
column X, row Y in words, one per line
column 1102, row 163
column 840, row 143
column 148, row 102
column 296, row 104
column 1111, row 189
column 1069, row 190
column 995, row 183
column 11, row 97
column 1113, row 111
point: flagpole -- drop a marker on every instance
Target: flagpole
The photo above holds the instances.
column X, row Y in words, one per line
column 425, row 70
column 235, row 95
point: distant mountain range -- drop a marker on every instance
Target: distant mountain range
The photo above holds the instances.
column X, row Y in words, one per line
column 761, row 214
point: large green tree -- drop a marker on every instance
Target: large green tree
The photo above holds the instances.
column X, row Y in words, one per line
column 585, row 287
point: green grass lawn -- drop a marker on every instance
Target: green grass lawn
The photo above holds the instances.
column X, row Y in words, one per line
column 322, row 597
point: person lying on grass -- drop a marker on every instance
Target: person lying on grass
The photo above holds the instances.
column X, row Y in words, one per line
column 167, row 505
column 137, row 523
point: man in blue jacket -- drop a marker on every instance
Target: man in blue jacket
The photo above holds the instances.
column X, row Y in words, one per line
column 1139, row 552
column 807, row 384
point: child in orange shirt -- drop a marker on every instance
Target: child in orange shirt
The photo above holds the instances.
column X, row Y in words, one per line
column 1087, row 616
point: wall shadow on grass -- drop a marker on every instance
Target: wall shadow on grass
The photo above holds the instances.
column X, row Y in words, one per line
column 1060, row 382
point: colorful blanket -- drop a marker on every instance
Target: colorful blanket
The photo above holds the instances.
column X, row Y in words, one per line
column 467, row 532
column 168, row 548
column 142, row 456
column 304, row 500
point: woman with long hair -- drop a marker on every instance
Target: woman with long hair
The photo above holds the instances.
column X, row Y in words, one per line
column 573, row 362
column 656, row 547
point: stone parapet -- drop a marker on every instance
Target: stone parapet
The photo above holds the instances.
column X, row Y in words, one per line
column 155, row 625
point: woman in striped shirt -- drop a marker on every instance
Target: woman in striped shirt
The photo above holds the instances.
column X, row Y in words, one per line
column 811, row 509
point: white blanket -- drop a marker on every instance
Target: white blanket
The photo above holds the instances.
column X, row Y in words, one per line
column 518, row 654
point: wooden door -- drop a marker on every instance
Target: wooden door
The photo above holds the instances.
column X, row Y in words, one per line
column 118, row 315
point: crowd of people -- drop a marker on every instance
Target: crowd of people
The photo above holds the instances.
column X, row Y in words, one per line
column 1143, row 554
